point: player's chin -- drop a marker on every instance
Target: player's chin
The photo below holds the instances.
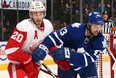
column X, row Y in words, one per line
column 38, row 23
column 95, row 34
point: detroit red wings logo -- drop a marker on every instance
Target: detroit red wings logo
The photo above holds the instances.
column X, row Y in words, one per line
column 35, row 45
column 3, row 56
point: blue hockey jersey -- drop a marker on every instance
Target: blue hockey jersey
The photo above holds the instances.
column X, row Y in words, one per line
column 74, row 36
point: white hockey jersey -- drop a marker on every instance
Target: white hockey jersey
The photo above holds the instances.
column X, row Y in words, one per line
column 26, row 37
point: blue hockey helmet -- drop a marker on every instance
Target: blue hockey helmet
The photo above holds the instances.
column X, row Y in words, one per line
column 95, row 18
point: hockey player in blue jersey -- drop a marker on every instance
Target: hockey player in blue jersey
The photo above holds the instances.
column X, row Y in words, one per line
column 80, row 45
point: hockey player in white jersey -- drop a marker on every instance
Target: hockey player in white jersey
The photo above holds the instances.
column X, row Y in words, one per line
column 86, row 41
column 27, row 35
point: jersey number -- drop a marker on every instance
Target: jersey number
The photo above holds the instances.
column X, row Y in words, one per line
column 63, row 31
column 17, row 36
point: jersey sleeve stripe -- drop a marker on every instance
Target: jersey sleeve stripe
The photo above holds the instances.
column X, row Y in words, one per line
column 90, row 56
column 58, row 38
column 77, row 68
column 52, row 40
column 15, row 62
column 86, row 63
column 14, row 71
column 27, row 60
column 11, row 50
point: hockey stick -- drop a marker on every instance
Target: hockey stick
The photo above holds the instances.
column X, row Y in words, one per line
column 48, row 71
column 113, row 57
column 45, row 71
column 109, row 51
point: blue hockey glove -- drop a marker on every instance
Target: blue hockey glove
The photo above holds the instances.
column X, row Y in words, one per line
column 61, row 57
column 61, row 53
column 39, row 53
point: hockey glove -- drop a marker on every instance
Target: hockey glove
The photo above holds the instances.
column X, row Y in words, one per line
column 61, row 57
column 39, row 53
column 61, row 53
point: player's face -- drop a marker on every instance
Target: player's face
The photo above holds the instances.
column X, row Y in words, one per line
column 38, row 17
column 95, row 29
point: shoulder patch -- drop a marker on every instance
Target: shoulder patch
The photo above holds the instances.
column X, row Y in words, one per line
column 76, row 25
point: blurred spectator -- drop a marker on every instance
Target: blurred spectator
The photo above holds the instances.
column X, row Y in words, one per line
column 55, row 27
column 63, row 24
column 86, row 9
column 89, row 2
column 108, row 24
column 113, row 18
column 62, row 9
column 108, row 6
column 115, row 4
column 99, row 7
column 7, row 30
column 75, row 7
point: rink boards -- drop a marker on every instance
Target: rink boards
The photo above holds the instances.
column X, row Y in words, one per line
column 48, row 60
column 4, row 60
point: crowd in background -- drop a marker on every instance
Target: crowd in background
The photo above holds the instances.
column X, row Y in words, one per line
column 62, row 10
column 7, row 30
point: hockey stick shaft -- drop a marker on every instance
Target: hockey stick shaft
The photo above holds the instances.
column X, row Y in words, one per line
column 52, row 74
column 48, row 71
column 109, row 51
